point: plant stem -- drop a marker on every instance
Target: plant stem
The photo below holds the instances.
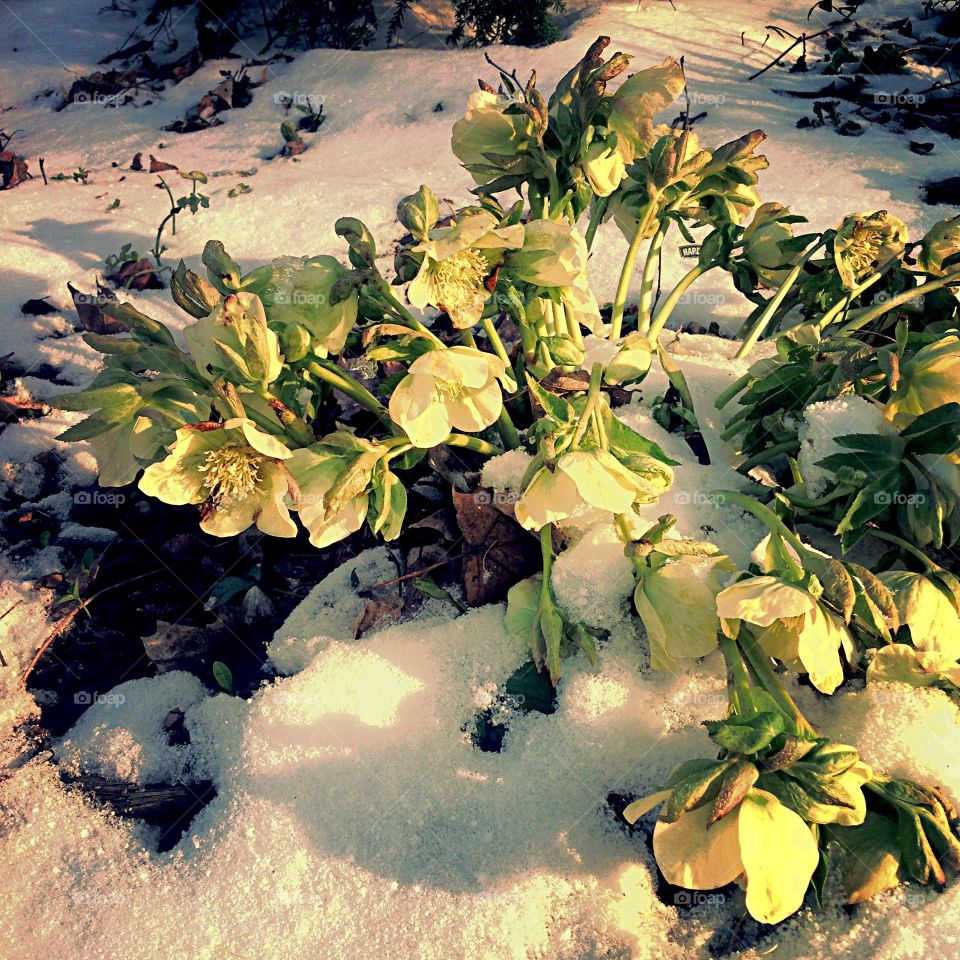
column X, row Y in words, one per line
column 788, row 446
column 573, row 325
column 738, row 679
column 593, row 395
column 771, row 308
column 841, row 305
column 727, row 395
column 673, row 298
column 341, row 380
column 770, row 682
column 903, row 545
column 763, row 513
column 623, row 284
column 467, row 442
column 546, row 556
column 872, row 313
column 402, row 312
column 645, row 304
column 489, row 327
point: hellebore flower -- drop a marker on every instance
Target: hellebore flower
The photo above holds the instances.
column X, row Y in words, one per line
column 928, row 379
column 865, row 242
column 676, row 600
column 582, row 479
column 489, row 141
column 762, row 244
column 457, row 262
column 553, row 254
column 926, row 609
column 234, row 339
column 901, row 663
column 300, row 293
column 941, row 242
column 789, row 624
column 604, row 167
column 445, row 390
column 762, row 845
column 334, row 491
column 636, row 101
column 233, row 471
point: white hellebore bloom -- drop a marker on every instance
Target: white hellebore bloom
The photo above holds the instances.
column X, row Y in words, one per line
column 791, row 626
column 444, row 390
column 233, row 470
column 763, row 845
column 457, row 260
column 580, row 479
column 677, row 604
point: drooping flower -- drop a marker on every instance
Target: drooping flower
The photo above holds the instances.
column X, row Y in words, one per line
column 457, row 261
column 488, row 139
column 928, row 379
column 233, row 470
column 790, row 625
column 582, row 479
column 444, row 390
column 941, row 242
column 763, row 240
column 234, row 339
column 332, row 502
column 554, row 254
column 603, row 164
column 300, row 293
column 637, row 100
column 762, row 845
column 676, row 600
column 865, row 242
column 901, row 663
column 921, row 605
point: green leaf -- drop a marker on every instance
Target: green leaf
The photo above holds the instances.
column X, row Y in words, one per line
column 192, row 293
column 223, row 675
column 871, row 856
column 222, row 269
column 746, row 733
column 557, row 408
column 532, row 690
column 431, row 589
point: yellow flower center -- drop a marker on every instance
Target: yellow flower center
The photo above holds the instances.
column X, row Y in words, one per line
column 458, row 279
column 448, row 391
column 232, row 472
column 864, row 247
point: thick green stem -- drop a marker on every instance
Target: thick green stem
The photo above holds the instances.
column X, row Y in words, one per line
column 593, row 396
column 573, row 326
column 340, row 380
column 771, row 308
column 738, row 679
column 645, row 304
column 402, row 312
column 673, row 298
column 874, row 313
column 788, row 446
column 623, row 284
column 763, row 513
column 498, row 348
column 466, row 442
column 727, row 395
column 763, row 669
column 903, row 545
column 505, row 426
column 546, row 556
column 841, row 305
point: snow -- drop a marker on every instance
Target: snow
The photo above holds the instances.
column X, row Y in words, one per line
column 825, row 421
column 353, row 816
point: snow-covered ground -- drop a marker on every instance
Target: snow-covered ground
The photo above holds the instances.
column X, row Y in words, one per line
column 353, row 817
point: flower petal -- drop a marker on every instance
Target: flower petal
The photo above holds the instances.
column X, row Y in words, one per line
column 697, row 858
column 761, row 600
column 478, row 409
column 779, row 855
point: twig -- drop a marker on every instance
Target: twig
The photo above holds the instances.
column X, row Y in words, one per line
column 68, row 619
column 410, row 576
column 42, row 171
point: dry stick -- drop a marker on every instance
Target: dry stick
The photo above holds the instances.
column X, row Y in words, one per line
column 416, row 573
column 68, row 619
column 803, row 38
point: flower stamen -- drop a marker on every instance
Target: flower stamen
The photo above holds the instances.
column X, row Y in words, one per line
column 232, row 472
